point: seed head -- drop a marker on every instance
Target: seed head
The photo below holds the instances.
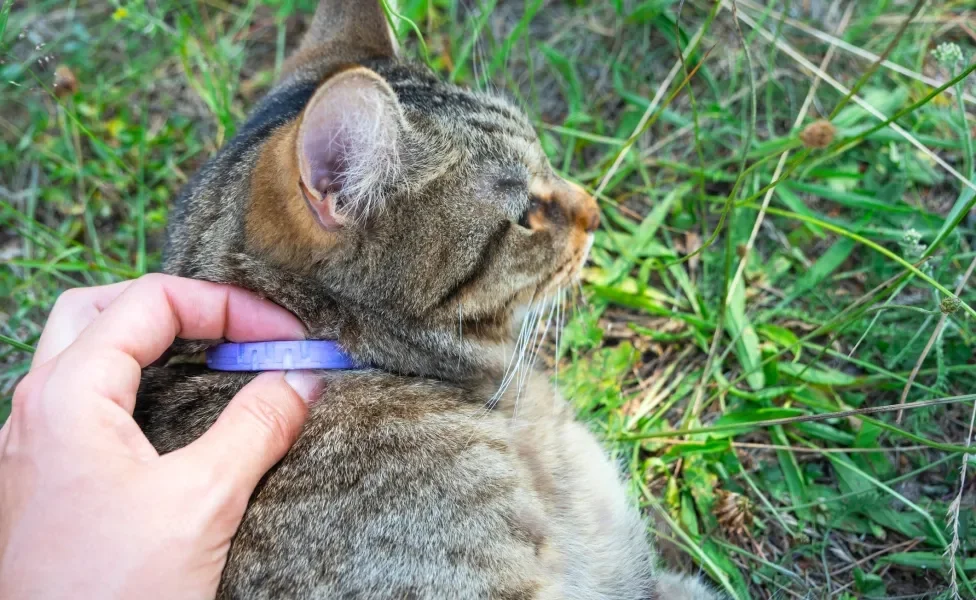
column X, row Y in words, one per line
column 948, row 54
column 911, row 244
column 65, row 82
column 734, row 513
column 949, row 305
column 818, row 134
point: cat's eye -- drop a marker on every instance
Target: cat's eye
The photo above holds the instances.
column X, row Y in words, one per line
column 523, row 219
column 510, row 185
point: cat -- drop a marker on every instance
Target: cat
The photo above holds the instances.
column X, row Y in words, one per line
column 410, row 220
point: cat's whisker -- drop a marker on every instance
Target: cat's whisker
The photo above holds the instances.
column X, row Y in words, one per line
column 531, row 319
column 534, row 355
column 534, row 352
column 581, row 295
column 534, row 333
column 512, row 364
column 525, row 341
column 507, row 375
column 553, row 312
column 460, row 334
column 559, row 328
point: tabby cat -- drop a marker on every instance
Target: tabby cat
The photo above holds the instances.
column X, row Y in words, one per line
column 409, row 220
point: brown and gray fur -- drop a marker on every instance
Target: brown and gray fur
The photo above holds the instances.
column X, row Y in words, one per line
column 435, row 217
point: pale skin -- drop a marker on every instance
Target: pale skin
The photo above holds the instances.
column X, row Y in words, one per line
column 88, row 508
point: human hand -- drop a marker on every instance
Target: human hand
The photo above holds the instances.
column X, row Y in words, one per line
column 88, row 508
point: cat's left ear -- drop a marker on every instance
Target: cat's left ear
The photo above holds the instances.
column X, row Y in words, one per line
column 347, row 147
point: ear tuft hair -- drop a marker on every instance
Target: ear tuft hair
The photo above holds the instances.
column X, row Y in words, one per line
column 348, row 144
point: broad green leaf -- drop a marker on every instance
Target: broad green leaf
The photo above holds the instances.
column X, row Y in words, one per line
column 701, row 483
column 574, row 89
column 909, row 524
column 817, row 375
column 782, row 337
column 644, row 235
column 795, row 204
column 594, row 381
column 850, row 478
column 684, row 282
column 584, row 331
column 795, row 481
column 689, row 519
column 719, row 558
column 713, row 446
column 764, row 395
column 876, row 463
column 869, row 584
column 746, row 340
column 621, row 243
column 825, row 432
column 612, row 215
column 648, row 10
column 924, row 560
column 828, row 262
column 749, row 416
column 959, row 210
column 642, row 302
column 853, row 199
column 629, row 285
column 887, row 101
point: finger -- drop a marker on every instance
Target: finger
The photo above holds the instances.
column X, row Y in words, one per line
column 74, row 310
column 143, row 321
column 255, row 430
column 4, row 434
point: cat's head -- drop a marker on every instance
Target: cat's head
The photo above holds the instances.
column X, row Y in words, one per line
column 422, row 208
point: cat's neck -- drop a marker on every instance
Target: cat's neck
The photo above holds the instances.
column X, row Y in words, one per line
column 378, row 340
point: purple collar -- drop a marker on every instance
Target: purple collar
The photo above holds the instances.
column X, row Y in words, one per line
column 278, row 356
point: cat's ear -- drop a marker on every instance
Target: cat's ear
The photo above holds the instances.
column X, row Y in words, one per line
column 356, row 25
column 347, row 147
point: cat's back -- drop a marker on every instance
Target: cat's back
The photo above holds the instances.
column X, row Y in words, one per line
column 395, row 490
column 409, row 488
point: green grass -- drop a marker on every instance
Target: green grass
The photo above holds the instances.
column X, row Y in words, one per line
column 714, row 361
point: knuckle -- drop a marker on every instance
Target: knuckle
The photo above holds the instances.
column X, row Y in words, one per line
column 118, row 373
column 234, row 504
column 219, row 491
column 152, row 280
column 69, row 297
column 22, row 399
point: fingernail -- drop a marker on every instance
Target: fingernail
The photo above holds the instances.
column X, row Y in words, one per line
column 306, row 384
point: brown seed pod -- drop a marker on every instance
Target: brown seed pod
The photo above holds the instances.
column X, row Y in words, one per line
column 734, row 513
column 818, row 134
column 65, row 82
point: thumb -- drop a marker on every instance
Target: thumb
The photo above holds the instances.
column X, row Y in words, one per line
column 256, row 429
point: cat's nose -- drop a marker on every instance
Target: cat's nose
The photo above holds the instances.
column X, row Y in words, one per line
column 589, row 217
column 585, row 206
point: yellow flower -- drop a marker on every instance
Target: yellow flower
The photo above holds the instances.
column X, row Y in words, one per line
column 115, row 127
column 119, row 14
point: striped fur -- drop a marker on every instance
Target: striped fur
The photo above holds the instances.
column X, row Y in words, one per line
column 423, row 477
